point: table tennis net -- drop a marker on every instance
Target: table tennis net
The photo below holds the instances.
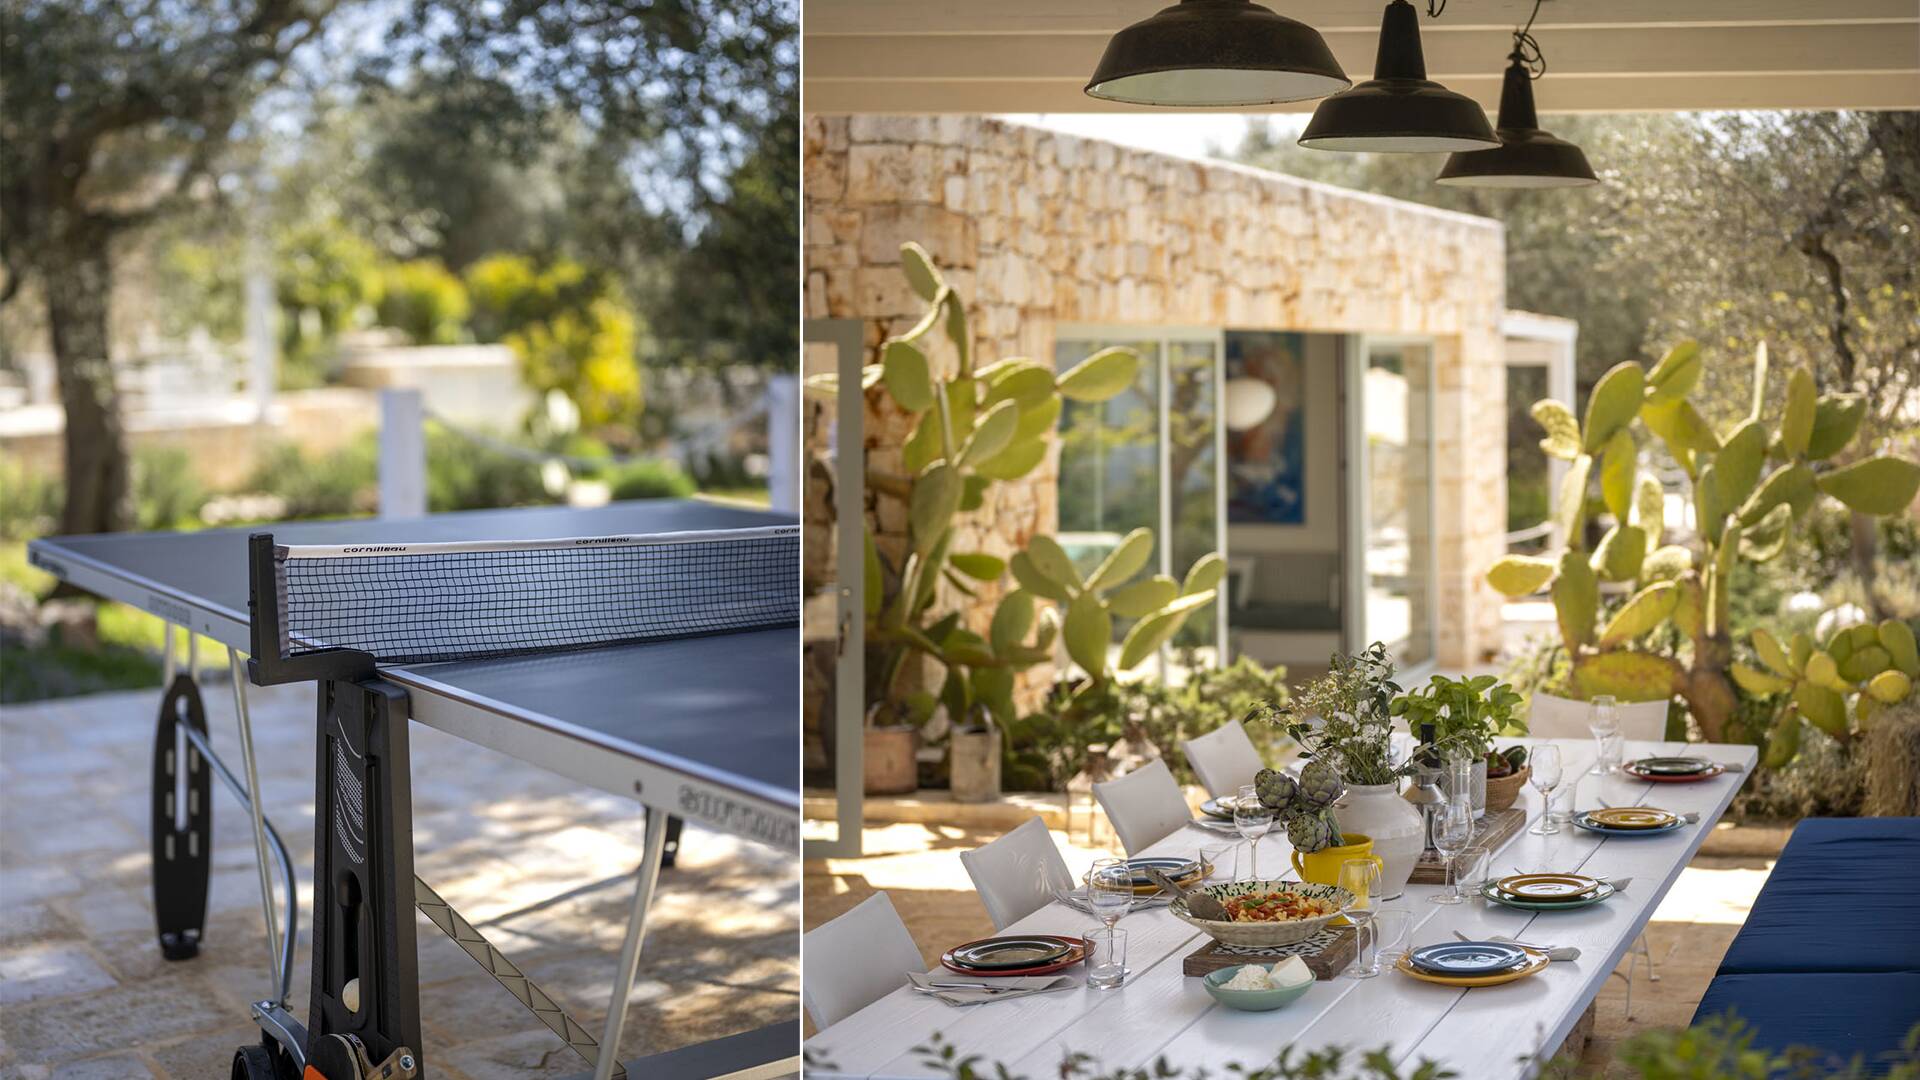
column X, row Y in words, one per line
column 425, row 603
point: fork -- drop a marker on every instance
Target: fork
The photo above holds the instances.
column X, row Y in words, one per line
column 1554, row 952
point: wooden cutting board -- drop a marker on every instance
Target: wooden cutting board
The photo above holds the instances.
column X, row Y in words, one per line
column 1492, row 832
column 1326, row 953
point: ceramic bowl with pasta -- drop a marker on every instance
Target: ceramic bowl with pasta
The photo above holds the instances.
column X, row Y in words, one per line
column 1269, row 913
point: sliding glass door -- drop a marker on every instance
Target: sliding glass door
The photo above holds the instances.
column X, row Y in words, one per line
column 1395, row 504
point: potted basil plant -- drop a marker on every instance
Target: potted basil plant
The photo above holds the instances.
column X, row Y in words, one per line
column 1458, row 718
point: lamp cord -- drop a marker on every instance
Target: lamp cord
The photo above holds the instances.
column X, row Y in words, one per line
column 1435, row 7
column 1526, row 49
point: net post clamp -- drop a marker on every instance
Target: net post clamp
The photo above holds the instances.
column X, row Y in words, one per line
column 268, row 662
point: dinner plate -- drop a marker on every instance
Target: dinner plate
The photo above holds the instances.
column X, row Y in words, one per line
column 1632, row 817
column 1174, row 868
column 1492, row 892
column 1672, row 766
column 1001, row 953
column 1221, row 808
column 1076, row 952
column 1548, row 888
column 1673, row 778
column 1581, row 821
column 1537, row 960
column 1467, row 958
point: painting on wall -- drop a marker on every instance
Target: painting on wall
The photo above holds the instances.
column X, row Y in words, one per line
column 1266, row 392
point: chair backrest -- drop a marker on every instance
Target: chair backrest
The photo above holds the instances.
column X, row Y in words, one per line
column 1143, row 805
column 857, row 959
column 1224, row 759
column 1551, row 717
column 1017, row 874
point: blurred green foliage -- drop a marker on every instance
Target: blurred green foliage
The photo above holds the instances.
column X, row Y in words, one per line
column 424, row 300
column 328, row 280
column 650, row 478
column 167, row 493
column 570, row 328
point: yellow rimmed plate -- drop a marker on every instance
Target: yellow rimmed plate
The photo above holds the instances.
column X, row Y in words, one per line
column 1548, row 888
column 1632, row 817
column 1539, row 962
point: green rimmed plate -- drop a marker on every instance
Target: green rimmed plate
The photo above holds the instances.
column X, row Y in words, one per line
column 1492, row 892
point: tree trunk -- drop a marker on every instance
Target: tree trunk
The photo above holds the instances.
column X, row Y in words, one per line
column 1864, row 547
column 78, row 279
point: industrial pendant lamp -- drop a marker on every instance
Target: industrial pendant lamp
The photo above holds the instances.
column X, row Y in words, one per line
column 1216, row 52
column 1400, row 110
column 1527, row 156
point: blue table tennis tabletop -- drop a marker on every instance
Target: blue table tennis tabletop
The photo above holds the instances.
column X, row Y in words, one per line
column 721, row 712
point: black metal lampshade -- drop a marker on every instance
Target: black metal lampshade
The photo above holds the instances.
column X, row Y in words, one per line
column 1399, row 110
column 1527, row 157
column 1216, row 52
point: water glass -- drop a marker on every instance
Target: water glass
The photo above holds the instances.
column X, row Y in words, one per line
column 1546, row 776
column 1214, row 859
column 1361, row 877
column 1470, row 869
column 1110, row 890
column 1253, row 818
column 1452, row 831
column 1385, row 931
column 1106, row 957
column 1603, row 720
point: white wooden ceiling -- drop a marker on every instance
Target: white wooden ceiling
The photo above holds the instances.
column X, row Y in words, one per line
column 1027, row 56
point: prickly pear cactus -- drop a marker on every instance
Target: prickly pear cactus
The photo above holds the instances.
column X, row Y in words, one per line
column 1874, row 666
column 1750, row 485
column 980, row 425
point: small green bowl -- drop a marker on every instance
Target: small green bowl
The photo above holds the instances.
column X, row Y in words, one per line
column 1251, row 1000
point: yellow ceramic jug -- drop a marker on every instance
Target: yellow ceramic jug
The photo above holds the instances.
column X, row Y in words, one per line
column 1323, row 866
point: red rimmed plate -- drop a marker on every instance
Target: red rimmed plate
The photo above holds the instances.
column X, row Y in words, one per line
column 1076, row 952
column 1673, row 778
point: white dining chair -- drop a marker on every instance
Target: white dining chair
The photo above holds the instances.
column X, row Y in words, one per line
column 855, row 960
column 1017, row 874
column 1224, row 759
column 1144, row 805
column 1551, row 717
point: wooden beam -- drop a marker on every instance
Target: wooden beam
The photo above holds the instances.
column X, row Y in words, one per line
column 1456, row 53
column 1558, row 93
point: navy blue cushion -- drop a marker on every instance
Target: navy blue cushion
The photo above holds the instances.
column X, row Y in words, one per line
column 1841, row 1014
column 1844, row 897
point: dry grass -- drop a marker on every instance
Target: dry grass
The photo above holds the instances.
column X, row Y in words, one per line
column 1893, row 761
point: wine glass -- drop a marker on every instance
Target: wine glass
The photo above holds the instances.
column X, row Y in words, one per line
column 1452, row 830
column 1361, row 877
column 1603, row 720
column 1253, row 818
column 1110, row 890
column 1545, row 760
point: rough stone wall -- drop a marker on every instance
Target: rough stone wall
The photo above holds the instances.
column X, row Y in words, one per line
column 1036, row 228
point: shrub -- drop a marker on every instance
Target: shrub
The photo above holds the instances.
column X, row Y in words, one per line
column 167, row 493
column 650, row 478
column 331, row 485
column 570, row 328
column 29, row 501
column 466, row 475
column 425, row 301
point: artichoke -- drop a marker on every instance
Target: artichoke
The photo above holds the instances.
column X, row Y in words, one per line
column 1276, row 789
column 1308, row 832
column 1320, row 783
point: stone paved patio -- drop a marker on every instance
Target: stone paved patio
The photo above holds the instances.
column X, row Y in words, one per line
column 540, row 865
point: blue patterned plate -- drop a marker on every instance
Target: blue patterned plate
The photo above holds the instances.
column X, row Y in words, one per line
column 1468, row 958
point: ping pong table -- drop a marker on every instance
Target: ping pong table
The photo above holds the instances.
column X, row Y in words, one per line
column 697, row 723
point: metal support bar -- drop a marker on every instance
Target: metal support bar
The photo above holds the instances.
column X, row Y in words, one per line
column 630, row 949
column 280, row 856
column 239, row 676
column 507, row 974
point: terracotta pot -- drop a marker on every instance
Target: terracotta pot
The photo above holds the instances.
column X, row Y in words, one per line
column 889, row 760
column 975, row 760
column 1502, row 790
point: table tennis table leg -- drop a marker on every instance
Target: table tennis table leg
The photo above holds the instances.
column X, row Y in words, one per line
column 672, row 850
column 656, row 842
column 182, row 812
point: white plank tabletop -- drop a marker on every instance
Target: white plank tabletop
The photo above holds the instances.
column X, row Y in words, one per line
column 1494, row 1032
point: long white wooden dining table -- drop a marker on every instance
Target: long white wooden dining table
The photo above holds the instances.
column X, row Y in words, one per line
column 1488, row 1032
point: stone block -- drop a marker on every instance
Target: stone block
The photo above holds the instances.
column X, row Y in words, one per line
column 947, row 236
column 885, row 172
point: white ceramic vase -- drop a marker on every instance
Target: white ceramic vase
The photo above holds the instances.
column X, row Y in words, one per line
column 1398, row 833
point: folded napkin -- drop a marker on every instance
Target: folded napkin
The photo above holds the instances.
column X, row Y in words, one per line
column 957, row 989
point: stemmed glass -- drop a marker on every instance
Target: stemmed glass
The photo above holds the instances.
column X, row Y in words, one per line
column 1604, row 721
column 1545, row 760
column 1253, row 818
column 1452, row 830
column 1110, row 890
column 1360, row 877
